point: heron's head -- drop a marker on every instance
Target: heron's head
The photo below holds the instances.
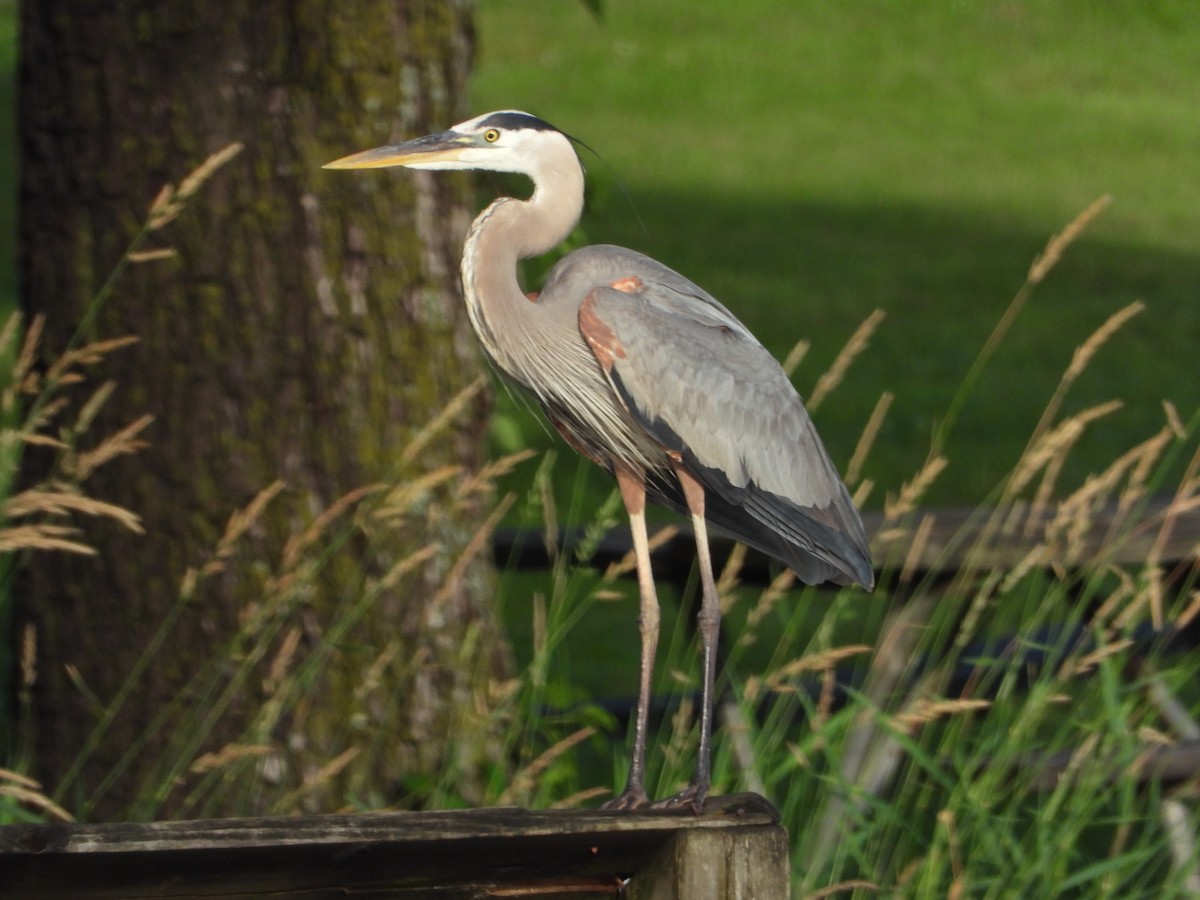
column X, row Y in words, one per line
column 506, row 141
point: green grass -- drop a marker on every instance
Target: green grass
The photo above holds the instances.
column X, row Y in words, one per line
column 810, row 162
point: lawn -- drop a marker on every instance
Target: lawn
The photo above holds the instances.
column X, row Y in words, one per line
column 808, row 163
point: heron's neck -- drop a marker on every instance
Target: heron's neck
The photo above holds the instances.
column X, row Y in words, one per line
column 508, row 231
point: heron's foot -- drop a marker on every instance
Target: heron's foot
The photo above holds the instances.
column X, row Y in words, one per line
column 633, row 797
column 692, row 797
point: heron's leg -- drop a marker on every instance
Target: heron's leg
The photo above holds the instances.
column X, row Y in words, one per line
column 709, row 624
column 633, row 491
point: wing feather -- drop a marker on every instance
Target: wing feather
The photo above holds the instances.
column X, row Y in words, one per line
column 700, row 384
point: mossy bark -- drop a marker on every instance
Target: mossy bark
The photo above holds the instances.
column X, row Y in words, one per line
column 309, row 325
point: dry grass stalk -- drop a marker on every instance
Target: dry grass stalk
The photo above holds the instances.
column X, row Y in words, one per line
column 439, row 423
column 485, row 479
column 1069, row 531
column 298, row 544
column 372, row 678
column 92, row 406
column 776, row 590
column 282, row 661
column 524, row 781
column 8, row 335
column 859, row 341
column 1048, row 450
column 628, row 562
column 402, row 500
column 579, row 798
column 862, row 493
column 924, row 711
column 678, row 747
column 912, row 491
column 916, row 549
column 28, row 355
column 1149, row 596
column 171, row 202
column 60, row 501
column 1140, row 461
column 842, row 887
column 409, row 564
column 18, row 779
column 1173, row 420
column 240, row 522
column 1039, row 556
column 42, row 537
column 813, row 662
column 1149, row 735
column 37, row 800
column 478, row 543
column 1080, row 360
column 825, row 700
column 144, row 256
column 1084, row 352
column 63, row 369
column 1185, row 618
column 227, row 755
column 730, row 576
column 867, row 439
column 28, row 661
column 792, row 361
column 1072, row 667
column 316, row 780
column 945, row 819
column 1058, row 244
column 1108, row 609
column 123, row 443
column 1187, row 497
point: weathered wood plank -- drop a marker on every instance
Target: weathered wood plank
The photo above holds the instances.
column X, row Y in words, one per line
column 716, row 864
column 470, row 853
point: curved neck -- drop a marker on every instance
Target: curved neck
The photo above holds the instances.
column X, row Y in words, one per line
column 508, row 231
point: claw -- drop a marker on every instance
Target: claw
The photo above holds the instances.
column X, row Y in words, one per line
column 630, row 798
column 692, row 797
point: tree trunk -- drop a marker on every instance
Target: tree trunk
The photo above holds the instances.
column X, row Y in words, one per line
column 307, row 328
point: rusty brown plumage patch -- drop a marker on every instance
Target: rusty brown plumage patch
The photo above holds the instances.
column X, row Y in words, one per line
column 598, row 335
column 629, row 285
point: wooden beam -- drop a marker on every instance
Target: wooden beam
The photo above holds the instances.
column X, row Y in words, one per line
column 956, row 539
column 714, row 864
column 461, row 854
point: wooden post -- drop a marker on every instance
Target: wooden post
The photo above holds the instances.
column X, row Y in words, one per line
column 735, row 848
column 715, row 865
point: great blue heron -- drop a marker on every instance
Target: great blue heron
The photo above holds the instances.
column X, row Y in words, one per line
column 645, row 374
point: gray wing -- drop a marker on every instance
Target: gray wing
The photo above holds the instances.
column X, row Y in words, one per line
column 700, row 384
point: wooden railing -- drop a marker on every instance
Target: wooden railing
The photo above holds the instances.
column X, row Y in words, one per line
column 735, row 848
column 944, row 541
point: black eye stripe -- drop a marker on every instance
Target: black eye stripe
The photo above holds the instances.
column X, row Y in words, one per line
column 516, row 120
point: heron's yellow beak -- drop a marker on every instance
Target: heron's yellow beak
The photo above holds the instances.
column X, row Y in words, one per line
column 435, row 148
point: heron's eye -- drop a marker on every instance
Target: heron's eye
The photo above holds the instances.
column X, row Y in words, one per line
column 491, row 135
